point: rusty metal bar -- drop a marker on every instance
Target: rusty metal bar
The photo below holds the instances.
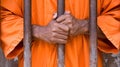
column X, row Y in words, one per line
column 27, row 33
column 93, row 33
column 61, row 47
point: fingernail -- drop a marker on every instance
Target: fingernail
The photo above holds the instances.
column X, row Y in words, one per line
column 54, row 15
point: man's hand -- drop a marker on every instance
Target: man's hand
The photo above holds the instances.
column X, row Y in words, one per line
column 76, row 26
column 53, row 33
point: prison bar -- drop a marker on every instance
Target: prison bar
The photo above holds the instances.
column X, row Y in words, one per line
column 61, row 47
column 27, row 33
column 93, row 33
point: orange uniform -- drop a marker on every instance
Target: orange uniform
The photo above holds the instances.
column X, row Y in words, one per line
column 77, row 48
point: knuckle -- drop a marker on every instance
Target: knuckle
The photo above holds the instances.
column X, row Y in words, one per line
column 53, row 35
column 69, row 20
column 70, row 25
column 67, row 28
column 53, row 29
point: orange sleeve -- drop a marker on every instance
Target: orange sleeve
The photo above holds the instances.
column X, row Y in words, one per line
column 109, row 22
column 11, row 28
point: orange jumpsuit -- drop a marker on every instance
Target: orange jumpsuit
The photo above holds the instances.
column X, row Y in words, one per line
column 77, row 48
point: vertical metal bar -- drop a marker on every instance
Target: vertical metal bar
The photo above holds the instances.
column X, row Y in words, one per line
column 93, row 33
column 27, row 33
column 61, row 47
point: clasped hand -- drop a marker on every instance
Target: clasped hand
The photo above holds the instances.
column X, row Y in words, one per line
column 57, row 31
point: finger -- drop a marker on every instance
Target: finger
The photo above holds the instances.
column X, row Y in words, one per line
column 61, row 32
column 62, row 17
column 67, row 21
column 64, row 30
column 62, row 27
column 69, row 24
column 60, row 36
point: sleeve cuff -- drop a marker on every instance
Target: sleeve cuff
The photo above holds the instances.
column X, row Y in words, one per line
column 16, row 47
column 11, row 36
column 111, row 29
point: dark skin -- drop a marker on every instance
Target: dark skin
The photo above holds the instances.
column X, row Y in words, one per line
column 52, row 33
column 58, row 31
column 76, row 26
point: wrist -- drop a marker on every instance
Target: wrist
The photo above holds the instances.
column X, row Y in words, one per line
column 34, row 31
column 84, row 26
column 37, row 30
